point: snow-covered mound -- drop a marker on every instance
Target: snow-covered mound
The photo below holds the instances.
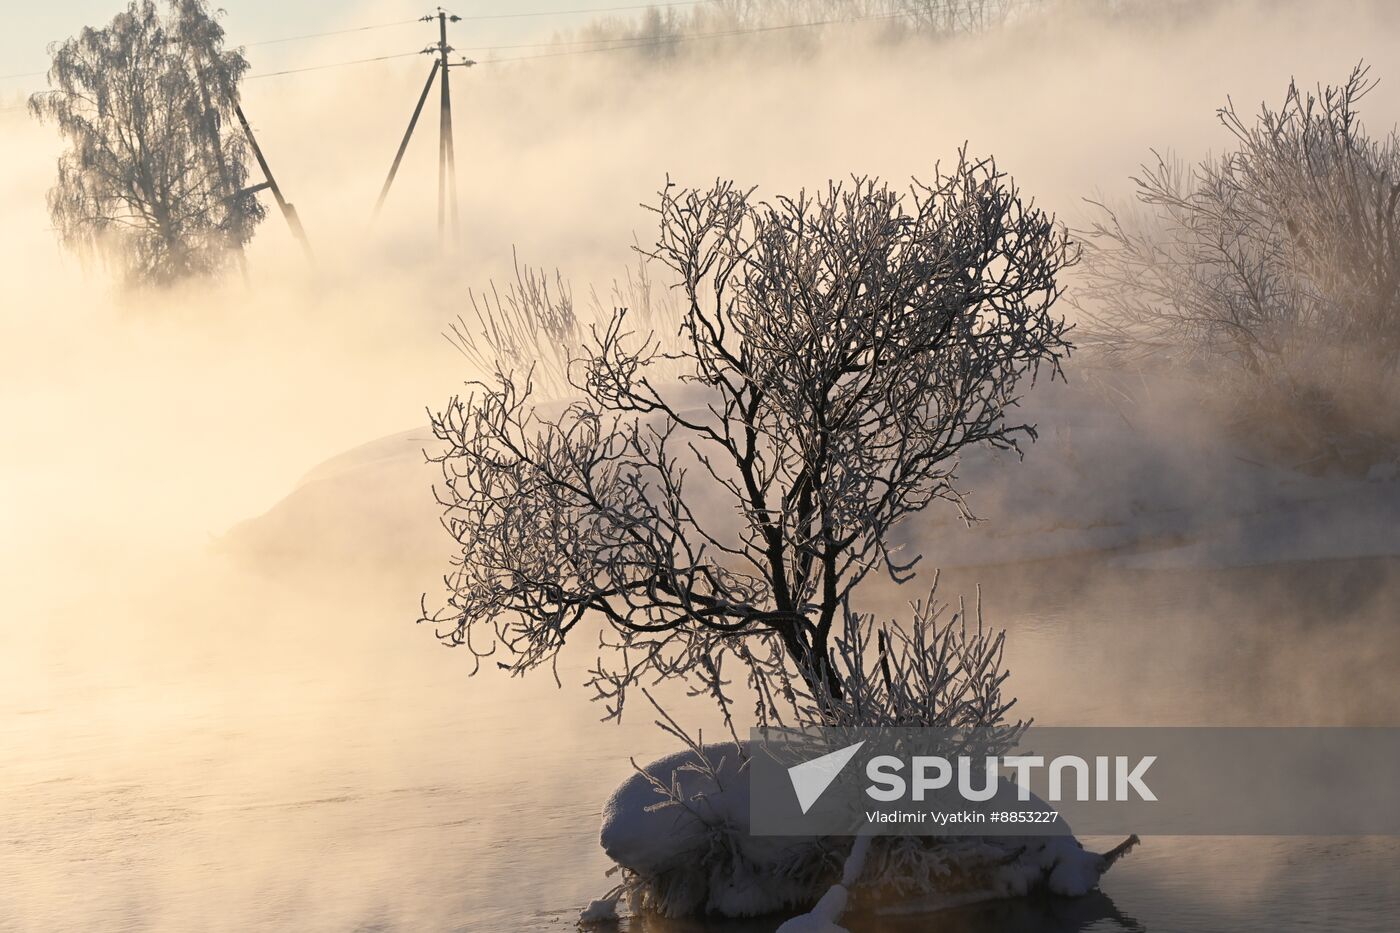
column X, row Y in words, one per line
column 689, row 851
column 698, row 856
column 372, row 505
column 1156, row 483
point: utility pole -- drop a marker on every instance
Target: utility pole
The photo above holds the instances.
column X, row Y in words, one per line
column 288, row 211
column 447, row 163
column 447, row 157
column 216, row 148
column 412, row 122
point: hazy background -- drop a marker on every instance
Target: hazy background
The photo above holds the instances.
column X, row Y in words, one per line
column 200, row 406
column 182, row 734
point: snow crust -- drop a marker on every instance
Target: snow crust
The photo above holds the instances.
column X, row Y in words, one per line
column 700, row 858
column 600, row 911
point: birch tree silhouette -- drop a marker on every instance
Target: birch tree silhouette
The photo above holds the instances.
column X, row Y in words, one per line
column 153, row 179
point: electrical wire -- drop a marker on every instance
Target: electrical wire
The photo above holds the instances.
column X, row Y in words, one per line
column 523, row 14
column 355, row 61
column 618, row 43
column 333, row 32
column 688, row 37
column 480, row 16
column 623, row 44
column 634, row 42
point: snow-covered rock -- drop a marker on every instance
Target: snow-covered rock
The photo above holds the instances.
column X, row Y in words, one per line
column 698, row 856
column 603, row 910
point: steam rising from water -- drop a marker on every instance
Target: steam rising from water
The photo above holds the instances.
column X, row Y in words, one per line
column 216, row 397
column 142, row 680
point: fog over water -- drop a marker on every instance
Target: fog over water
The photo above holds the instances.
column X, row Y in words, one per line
column 198, row 734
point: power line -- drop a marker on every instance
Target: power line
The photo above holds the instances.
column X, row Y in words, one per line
column 333, row 32
column 554, row 44
column 623, row 43
column 355, row 61
column 619, row 43
column 481, row 16
column 522, row 14
column 637, row 42
column 688, row 37
column 408, row 22
column 380, row 58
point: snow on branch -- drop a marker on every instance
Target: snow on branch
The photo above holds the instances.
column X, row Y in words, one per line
column 837, row 352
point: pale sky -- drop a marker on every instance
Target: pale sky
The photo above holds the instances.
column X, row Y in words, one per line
column 30, row 27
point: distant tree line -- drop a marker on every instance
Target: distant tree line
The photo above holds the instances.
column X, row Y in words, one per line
column 660, row 31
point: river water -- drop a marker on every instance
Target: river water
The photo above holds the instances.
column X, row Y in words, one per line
column 214, row 746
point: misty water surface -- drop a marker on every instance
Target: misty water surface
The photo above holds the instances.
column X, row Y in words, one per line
column 233, row 747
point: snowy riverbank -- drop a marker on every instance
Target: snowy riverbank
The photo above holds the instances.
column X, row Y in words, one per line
column 1143, row 485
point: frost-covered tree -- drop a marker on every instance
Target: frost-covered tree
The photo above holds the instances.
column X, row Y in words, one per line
column 1277, row 264
column 153, row 179
column 837, row 350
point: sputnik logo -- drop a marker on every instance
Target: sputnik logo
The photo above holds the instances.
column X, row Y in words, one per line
column 811, row 778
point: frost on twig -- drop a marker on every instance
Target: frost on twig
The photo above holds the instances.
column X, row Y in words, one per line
column 836, row 353
column 680, row 827
column 1276, row 267
column 532, row 323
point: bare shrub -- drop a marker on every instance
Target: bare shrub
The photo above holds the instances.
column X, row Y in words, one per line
column 838, row 351
column 533, row 324
column 936, row 671
column 927, row 672
column 1277, row 263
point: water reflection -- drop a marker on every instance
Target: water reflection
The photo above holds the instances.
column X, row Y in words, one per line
column 1024, row 915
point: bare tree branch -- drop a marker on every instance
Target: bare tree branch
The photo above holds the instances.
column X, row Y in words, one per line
column 837, row 350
